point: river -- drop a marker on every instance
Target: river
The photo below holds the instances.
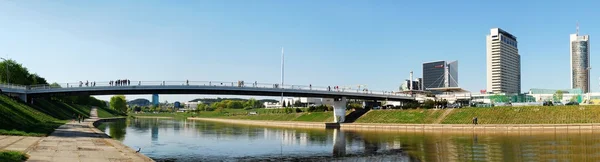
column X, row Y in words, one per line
column 188, row 140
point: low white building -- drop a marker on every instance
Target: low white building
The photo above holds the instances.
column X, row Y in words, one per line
column 305, row 101
column 192, row 105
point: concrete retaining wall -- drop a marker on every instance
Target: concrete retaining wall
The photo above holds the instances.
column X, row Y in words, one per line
column 434, row 128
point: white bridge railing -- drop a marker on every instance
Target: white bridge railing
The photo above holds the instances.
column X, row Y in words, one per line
column 241, row 84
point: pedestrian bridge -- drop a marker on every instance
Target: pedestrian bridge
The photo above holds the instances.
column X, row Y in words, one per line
column 201, row 87
column 27, row 93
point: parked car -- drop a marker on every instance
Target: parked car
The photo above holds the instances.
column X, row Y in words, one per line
column 572, row 103
column 548, row 103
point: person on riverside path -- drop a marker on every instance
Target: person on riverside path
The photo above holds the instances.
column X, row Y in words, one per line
column 79, row 118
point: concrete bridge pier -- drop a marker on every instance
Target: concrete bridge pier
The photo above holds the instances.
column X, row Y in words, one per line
column 24, row 98
column 339, row 109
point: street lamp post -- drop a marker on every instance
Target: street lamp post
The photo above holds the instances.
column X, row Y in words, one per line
column 282, row 58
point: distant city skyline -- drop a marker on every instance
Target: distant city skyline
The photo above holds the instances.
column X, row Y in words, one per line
column 368, row 43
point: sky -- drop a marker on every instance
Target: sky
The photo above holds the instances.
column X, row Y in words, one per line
column 344, row 43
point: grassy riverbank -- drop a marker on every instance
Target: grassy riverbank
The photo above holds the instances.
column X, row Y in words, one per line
column 495, row 115
column 13, row 156
column 38, row 119
column 261, row 114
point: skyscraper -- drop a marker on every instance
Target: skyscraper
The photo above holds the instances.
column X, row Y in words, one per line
column 580, row 61
column 440, row 74
column 503, row 62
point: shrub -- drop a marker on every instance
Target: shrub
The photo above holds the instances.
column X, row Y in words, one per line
column 428, row 104
column 312, row 109
column 15, row 156
column 298, row 110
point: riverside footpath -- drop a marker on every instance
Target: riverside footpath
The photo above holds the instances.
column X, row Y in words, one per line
column 82, row 142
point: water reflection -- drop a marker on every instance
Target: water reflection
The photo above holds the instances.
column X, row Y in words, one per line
column 181, row 140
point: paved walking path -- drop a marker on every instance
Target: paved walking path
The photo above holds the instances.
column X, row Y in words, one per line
column 17, row 143
column 81, row 142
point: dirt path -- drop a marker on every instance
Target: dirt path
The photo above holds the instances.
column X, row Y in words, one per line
column 443, row 116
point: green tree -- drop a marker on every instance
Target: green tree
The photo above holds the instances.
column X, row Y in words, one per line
column 201, row 107
column 558, row 96
column 289, row 104
column 118, row 103
column 253, row 103
column 235, row 104
column 297, row 103
column 574, row 98
column 428, row 104
column 284, row 105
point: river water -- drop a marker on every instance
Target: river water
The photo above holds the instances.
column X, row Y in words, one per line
column 188, row 140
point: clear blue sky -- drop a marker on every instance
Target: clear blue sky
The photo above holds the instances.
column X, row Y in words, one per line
column 332, row 42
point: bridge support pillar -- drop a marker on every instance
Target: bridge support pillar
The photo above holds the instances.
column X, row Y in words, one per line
column 339, row 143
column 339, row 109
column 23, row 97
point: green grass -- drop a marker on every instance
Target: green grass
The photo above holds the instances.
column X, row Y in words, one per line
column 38, row 119
column 418, row 116
column 526, row 115
column 175, row 115
column 13, row 156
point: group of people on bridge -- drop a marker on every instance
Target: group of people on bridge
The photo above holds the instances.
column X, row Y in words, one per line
column 87, row 84
column 120, row 82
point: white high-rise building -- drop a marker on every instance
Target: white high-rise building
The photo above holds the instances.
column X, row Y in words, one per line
column 580, row 61
column 503, row 62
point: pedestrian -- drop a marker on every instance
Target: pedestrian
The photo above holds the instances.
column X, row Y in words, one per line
column 79, row 118
column 128, row 82
column 139, row 83
column 187, row 82
column 476, row 121
column 310, row 86
column 94, row 83
column 86, row 83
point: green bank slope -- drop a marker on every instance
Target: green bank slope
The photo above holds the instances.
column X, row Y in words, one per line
column 40, row 118
column 495, row 115
column 416, row 116
column 526, row 115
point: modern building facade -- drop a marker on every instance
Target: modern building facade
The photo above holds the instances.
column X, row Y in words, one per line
column 503, row 62
column 416, row 85
column 580, row 62
column 438, row 74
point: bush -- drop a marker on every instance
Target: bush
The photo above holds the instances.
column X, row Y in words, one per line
column 329, row 108
column 312, row 109
column 298, row 110
column 247, row 108
column 10, row 156
column 354, row 106
column 428, row 104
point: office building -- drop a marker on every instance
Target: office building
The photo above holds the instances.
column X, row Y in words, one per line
column 440, row 74
column 503, row 62
column 580, row 61
column 416, row 85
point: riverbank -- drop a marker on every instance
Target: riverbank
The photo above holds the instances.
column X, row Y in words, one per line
column 443, row 128
column 83, row 142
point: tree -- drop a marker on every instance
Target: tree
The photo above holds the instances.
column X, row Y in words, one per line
column 575, row 98
column 558, row 96
column 428, row 104
column 289, row 104
column 202, row 107
column 297, row 103
column 235, row 105
column 284, row 104
column 118, row 103
column 253, row 103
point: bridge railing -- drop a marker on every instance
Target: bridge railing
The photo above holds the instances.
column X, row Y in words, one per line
column 213, row 83
column 12, row 86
